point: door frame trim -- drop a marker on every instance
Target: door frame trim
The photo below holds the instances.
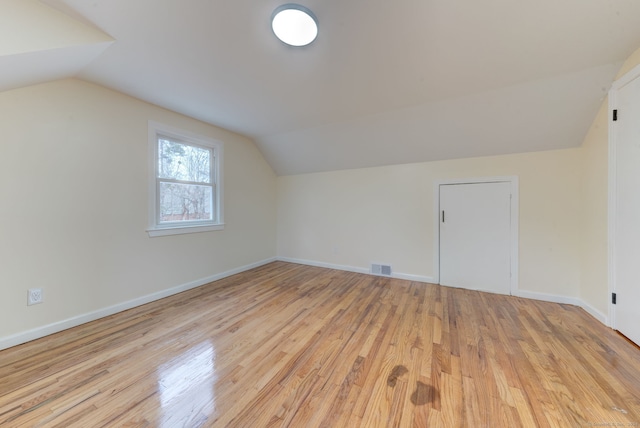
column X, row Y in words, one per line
column 618, row 84
column 515, row 198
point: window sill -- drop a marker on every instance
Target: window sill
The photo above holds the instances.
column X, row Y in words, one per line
column 181, row 230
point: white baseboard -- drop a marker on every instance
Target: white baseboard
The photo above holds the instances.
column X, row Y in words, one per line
column 565, row 300
column 548, row 297
column 521, row 293
column 406, row 276
column 323, row 265
column 37, row 333
column 410, row 277
column 604, row 319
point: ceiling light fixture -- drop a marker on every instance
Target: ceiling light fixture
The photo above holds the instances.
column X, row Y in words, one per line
column 294, row 24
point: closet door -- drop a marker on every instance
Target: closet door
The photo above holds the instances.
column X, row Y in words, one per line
column 626, row 199
column 475, row 236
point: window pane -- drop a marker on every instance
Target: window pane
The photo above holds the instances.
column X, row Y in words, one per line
column 183, row 162
column 185, row 202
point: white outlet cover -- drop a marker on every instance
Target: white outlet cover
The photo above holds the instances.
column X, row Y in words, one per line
column 34, row 296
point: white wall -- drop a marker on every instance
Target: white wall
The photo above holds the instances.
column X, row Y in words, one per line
column 73, row 198
column 385, row 214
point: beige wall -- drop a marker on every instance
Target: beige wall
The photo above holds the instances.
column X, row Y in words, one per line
column 355, row 217
column 73, row 183
column 594, row 282
column 73, row 144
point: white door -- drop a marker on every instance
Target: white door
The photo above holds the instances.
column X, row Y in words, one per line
column 475, row 236
column 627, row 211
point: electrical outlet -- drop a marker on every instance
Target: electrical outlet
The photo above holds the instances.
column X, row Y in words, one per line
column 34, row 296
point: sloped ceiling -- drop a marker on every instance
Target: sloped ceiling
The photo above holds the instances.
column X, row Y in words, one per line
column 385, row 82
column 38, row 43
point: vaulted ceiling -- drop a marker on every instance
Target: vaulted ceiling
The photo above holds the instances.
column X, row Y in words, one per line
column 384, row 83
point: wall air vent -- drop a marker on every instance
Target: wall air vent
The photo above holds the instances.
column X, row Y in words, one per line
column 382, row 270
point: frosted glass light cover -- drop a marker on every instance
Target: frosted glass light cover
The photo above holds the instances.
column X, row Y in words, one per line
column 295, row 25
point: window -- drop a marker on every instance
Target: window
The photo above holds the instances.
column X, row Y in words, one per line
column 185, row 185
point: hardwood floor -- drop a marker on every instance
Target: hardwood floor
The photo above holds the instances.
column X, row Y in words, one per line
column 298, row 346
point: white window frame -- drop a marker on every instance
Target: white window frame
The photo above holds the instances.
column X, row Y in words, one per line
column 155, row 228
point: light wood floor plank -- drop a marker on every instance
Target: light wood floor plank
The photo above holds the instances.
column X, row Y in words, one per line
column 287, row 345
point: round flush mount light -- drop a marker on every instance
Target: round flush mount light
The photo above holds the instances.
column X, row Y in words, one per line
column 294, row 24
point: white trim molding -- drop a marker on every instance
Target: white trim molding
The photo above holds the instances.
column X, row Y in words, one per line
column 552, row 298
column 611, row 211
column 405, row 276
column 574, row 301
column 39, row 332
column 157, row 228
